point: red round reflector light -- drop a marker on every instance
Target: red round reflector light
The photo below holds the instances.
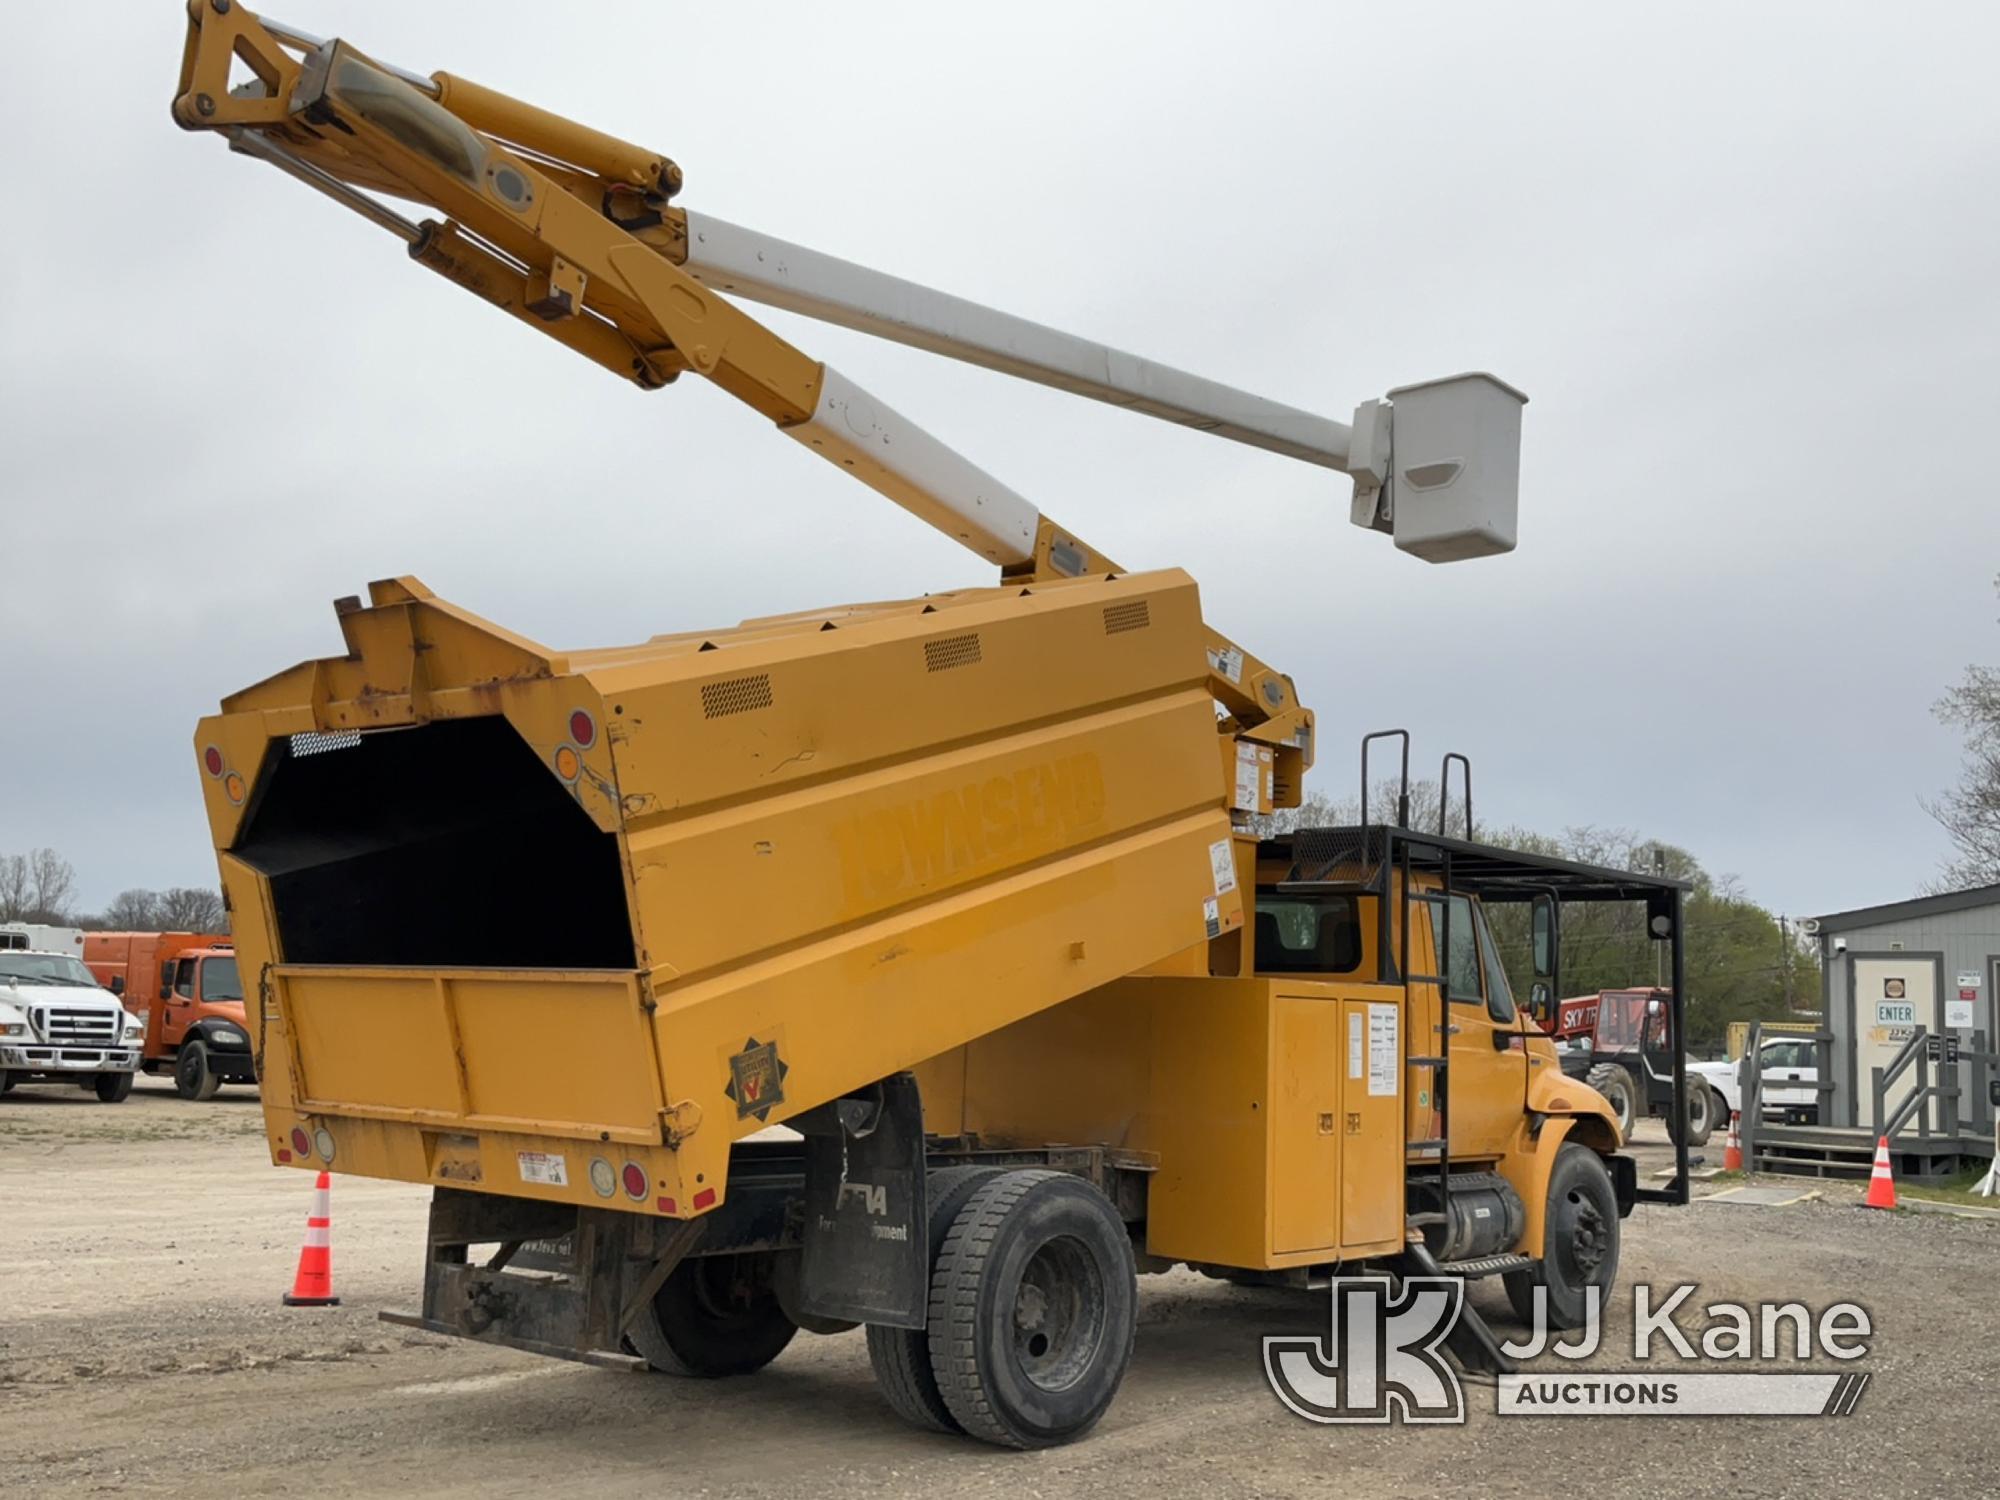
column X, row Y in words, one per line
column 301, row 1142
column 635, row 1180
column 212, row 758
column 582, row 728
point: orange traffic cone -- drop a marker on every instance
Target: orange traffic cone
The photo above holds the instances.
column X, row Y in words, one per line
column 1732, row 1150
column 313, row 1286
column 1881, row 1181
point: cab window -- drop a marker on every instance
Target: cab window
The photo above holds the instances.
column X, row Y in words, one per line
column 220, row 980
column 1307, row 934
column 1499, row 997
column 1461, row 967
column 184, row 979
column 1788, row 1055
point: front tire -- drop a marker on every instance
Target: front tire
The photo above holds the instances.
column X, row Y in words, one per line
column 1033, row 1307
column 1615, row 1084
column 1579, row 1241
column 111, row 1088
column 715, row 1315
column 6, row 1083
column 1700, row 1121
column 193, row 1077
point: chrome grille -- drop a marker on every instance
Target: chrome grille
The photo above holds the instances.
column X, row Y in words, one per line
column 68, row 1026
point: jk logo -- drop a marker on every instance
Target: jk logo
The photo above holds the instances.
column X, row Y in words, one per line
column 1382, row 1362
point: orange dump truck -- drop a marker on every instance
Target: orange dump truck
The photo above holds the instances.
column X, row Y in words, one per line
column 187, row 988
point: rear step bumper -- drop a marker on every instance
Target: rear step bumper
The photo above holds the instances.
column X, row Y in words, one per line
column 603, row 1359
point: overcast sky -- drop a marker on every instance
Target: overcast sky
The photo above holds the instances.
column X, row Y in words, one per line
column 1741, row 258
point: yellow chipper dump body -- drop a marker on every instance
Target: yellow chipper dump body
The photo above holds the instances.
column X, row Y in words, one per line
column 525, row 922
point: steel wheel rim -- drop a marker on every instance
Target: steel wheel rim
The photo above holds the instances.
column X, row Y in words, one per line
column 1058, row 1319
column 1586, row 1238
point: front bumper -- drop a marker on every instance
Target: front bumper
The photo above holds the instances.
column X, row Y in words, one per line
column 233, row 1067
column 38, row 1057
column 51, row 1059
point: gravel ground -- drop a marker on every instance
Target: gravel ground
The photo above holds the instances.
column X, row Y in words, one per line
column 143, row 1350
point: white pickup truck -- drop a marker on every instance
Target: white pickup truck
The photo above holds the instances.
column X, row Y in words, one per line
column 58, row 1025
column 1790, row 1087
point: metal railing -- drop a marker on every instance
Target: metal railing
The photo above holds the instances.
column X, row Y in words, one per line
column 1912, row 1058
column 1750, row 1080
column 1946, row 1090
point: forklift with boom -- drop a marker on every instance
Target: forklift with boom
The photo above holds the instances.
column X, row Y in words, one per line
column 965, row 890
column 1622, row 1043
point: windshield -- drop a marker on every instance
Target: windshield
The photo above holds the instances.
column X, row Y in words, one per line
column 219, row 979
column 43, row 968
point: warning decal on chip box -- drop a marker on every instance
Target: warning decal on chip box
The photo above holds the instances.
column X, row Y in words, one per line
column 546, row 1167
column 1385, row 1052
column 1222, row 862
column 1247, row 777
column 1211, row 916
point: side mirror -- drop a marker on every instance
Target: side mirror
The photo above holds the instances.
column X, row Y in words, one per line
column 1656, row 1007
column 166, row 992
column 117, row 984
column 1547, row 952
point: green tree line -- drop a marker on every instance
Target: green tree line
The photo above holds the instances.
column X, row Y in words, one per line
column 1742, row 961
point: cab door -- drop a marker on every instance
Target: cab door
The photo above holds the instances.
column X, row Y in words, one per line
column 178, row 1010
column 1488, row 1086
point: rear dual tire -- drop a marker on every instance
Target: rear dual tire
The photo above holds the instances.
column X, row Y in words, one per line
column 1034, row 1301
column 901, row 1357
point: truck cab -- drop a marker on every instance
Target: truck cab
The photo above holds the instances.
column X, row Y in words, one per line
column 189, row 989
column 58, row 1026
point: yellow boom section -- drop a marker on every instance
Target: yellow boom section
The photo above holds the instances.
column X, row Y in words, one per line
column 572, row 232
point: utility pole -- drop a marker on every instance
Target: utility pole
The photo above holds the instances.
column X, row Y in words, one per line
column 1785, row 959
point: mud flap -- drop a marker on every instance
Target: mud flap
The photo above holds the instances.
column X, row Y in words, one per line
column 866, row 1251
column 1624, row 1182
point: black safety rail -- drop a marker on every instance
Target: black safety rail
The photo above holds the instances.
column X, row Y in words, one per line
column 1378, row 859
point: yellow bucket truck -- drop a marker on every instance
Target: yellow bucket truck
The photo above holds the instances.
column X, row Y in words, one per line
column 913, row 964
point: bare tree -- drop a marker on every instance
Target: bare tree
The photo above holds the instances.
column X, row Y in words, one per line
column 39, row 886
column 134, row 911
column 1969, row 813
column 191, row 908
column 54, row 880
column 14, row 887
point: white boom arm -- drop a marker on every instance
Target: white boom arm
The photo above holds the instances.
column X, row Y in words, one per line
column 1436, row 464
column 778, row 273
column 1449, row 449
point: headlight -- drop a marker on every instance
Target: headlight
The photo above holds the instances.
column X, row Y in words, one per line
column 134, row 1030
column 226, row 1038
column 13, row 1028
